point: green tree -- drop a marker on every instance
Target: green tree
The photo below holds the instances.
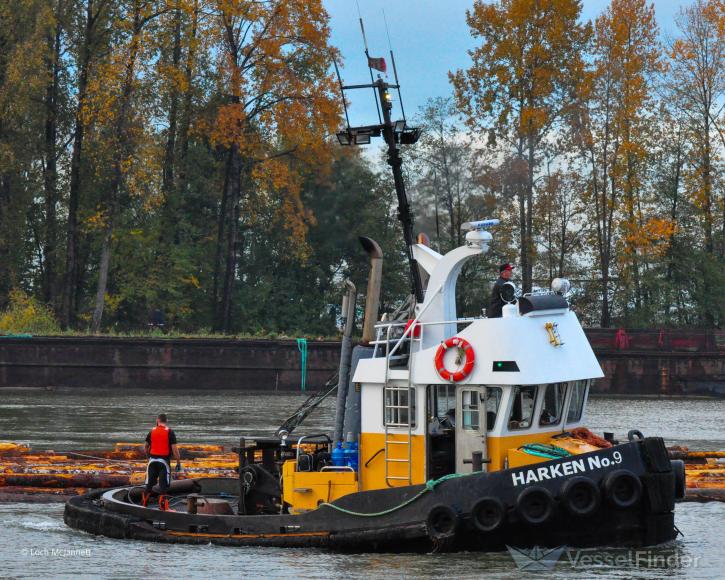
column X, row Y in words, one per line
column 520, row 86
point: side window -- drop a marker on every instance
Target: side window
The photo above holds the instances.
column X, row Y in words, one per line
column 493, row 401
column 445, row 400
column 553, row 404
column 471, row 410
column 522, row 408
column 396, row 402
column 576, row 402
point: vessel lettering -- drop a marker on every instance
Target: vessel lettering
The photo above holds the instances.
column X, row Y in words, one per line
column 571, row 467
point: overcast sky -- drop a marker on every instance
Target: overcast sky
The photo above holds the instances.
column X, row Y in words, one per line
column 429, row 38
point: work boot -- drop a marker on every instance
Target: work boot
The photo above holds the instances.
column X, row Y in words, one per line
column 164, row 503
column 145, row 496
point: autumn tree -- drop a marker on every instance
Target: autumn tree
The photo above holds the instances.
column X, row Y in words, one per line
column 519, row 88
column 445, row 163
column 25, row 31
column 113, row 104
column 279, row 109
column 617, row 99
column 697, row 83
column 560, row 220
column 90, row 28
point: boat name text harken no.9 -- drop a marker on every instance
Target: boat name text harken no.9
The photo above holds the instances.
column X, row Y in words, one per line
column 565, row 469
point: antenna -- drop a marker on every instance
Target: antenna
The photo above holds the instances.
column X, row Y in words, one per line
column 392, row 61
column 342, row 91
column 395, row 133
column 400, row 96
column 367, row 57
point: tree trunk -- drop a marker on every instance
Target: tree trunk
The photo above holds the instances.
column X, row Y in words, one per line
column 50, row 173
column 70, row 281
column 170, row 149
column 185, row 121
column 233, row 196
column 528, row 268
column 121, row 149
column 707, row 182
column 219, row 252
column 102, row 277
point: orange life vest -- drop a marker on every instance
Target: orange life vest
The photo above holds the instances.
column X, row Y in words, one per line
column 160, row 441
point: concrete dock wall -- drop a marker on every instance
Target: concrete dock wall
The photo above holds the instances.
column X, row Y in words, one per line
column 683, row 362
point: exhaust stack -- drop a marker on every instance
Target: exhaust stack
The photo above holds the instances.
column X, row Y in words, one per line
column 372, row 301
column 348, row 323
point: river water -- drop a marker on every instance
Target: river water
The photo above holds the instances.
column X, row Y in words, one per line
column 34, row 541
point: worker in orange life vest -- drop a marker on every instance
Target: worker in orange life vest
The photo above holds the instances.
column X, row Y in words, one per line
column 160, row 446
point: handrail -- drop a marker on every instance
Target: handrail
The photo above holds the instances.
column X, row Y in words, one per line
column 299, row 443
column 390, row 324
column 415, row 320
column 378, row 452
column 420, row 324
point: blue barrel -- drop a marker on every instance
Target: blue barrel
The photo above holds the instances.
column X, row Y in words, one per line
column 338, row 455
column 351, row 455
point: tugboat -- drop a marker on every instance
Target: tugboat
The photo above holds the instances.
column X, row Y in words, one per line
column 463, row 434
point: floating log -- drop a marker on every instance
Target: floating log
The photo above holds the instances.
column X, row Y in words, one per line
column 63, row 480
column 47, row 473
column 704, row 495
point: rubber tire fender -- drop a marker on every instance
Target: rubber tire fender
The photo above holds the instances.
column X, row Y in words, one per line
column 535, row 505
column 678, row 468
column 577, row 489
column 619, row 482
column 442, row 522
column 488, row 514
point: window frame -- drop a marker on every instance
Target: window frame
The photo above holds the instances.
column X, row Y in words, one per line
column 471, row 410
column 534, row 406
column 498, row 406
column 573, row 387
column 412, row 421
column 564, row 403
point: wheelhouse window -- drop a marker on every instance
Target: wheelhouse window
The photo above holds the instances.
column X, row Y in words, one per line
column 471, row 410
column 522, row 408
column 576, row 401
column 553, row 404
column 444, row 401
column 493, row 402
column 397, row 402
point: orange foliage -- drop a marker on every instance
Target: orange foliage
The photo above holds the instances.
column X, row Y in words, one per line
column 273, row 64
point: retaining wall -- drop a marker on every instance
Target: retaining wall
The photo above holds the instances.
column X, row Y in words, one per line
column 651, row 362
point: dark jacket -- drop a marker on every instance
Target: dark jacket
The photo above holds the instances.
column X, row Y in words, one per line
column 495, row 303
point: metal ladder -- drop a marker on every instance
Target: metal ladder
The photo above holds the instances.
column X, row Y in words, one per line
column 393, row 413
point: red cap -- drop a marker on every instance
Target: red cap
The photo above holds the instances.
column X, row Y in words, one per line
column 504, row 267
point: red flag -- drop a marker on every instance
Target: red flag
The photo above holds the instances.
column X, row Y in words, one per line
column 377, row 64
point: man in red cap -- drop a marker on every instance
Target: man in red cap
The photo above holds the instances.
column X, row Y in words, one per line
column 495, row 305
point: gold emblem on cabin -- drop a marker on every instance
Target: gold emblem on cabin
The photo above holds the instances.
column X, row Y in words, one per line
column 553, row 332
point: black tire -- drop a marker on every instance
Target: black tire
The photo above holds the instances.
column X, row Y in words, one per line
column 580, row 497
column 634, row 434
column 488, row 514
column 442, row 522
column 622, row 488
column 535, row 505
column 678, row 468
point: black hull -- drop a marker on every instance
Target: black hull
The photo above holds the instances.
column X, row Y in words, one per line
column 537, row 508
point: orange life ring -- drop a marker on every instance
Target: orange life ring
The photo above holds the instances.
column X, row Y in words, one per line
column 465, row 346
